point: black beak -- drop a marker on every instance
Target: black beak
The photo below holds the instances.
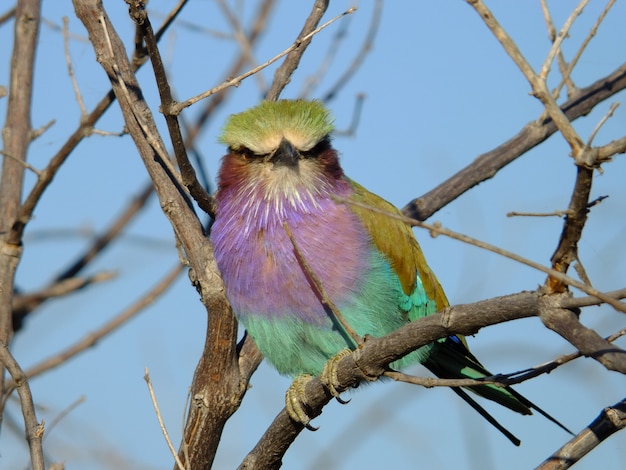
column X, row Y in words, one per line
column 286, row 154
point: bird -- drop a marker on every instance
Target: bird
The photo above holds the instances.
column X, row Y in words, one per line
column 280, row 204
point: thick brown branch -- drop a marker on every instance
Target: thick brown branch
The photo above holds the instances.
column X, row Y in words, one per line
column 16, row 138
column 488, row 164
column 85, row 129
column 216, row 389
column 190, row 180
column 567, row 250
column 587, row 341
column 371, row 361
column 372, row 358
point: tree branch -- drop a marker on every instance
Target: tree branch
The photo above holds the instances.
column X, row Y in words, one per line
column 34, row 430
column 486, row 166
column 372, row 358
column 216, row 388
column 16, row 137
column 608, row 422
column 139, row 14
column 283, row 74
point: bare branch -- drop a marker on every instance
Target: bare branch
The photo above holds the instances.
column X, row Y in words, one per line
column 608, row 422
column 437, row 229
column 375, row 354
column 567, row 249
column 283, row 74
column 537, row 82
column 563, row 67
column 16, row 138
column 176, row 108
column 84, row 129
column 358, row 60
column 34, row 430
column 587, row 341
column 26, row 303
column 92, row 338
column 566, row 75
column 262, row 14
column 70, row 69
column 6, row 16
column 155, row 404
column 197, row 191
column 488, row 164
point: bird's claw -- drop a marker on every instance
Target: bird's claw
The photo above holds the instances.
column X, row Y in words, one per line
column 295, row 401
column 329, row 375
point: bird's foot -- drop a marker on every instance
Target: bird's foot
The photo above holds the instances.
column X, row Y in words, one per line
column 295, row 401
column 329, row 375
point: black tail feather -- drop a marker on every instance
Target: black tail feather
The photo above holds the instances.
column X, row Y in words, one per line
column 469, row 400
column 450, row 359
column 530, row 404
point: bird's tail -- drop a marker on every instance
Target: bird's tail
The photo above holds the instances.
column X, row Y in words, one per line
column 451, row 359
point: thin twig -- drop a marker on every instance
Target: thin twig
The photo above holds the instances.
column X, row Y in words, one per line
column 155, row 403
column 36, row 133
column 70, row 69
column 430, row 382
column 319, row 291
column 595, row 131
column 24, row 163
column 563, row 66
column 556, row 44
column 188, row 174
column 92, row 338
column 176, row 108
column 83, row 130
column 356, row 117
column 7, row 15
column 537, row 82
column 34, row 430
column 359, row 58
column 64, row 412
column 537, row 214
column 27, row 302
column 244, row 41
column 566, row 76
column 437, row 229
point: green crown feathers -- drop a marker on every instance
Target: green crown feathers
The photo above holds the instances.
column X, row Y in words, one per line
column 303, row 123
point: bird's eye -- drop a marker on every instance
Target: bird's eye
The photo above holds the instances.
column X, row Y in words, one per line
column 315, row 152
column 247, row 154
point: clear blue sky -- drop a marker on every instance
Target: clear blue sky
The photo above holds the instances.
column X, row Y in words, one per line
column 439, row 92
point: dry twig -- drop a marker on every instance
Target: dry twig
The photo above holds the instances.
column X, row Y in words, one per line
column 157, row 410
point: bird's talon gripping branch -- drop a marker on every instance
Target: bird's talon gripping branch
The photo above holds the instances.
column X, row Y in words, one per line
column 295, row 401
column 329, row 375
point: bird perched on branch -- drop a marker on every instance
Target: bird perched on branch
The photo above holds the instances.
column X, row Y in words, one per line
column 288, row 246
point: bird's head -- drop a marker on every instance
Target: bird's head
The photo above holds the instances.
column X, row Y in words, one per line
column 279, row 150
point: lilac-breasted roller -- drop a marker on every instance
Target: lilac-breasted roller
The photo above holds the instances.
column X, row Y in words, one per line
column 281, row 171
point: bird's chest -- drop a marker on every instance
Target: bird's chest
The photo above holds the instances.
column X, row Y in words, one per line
column 270, row 275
